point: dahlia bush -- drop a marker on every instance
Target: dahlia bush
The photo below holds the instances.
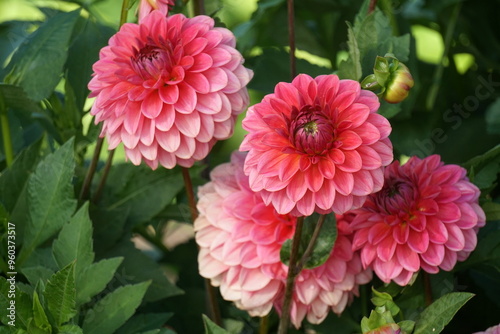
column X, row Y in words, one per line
column 244, row 167
column 168, row 88
column 240, row 239
column 426, row 217
column 316, row 145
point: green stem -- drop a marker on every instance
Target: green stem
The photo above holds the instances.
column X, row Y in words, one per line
column 291, row 38
column 199, row 7
column 386, row 6
column 290, row 279
column 213, row 306
column 7, row 141
column 311, row 244
column 264, row 325
column 97, row 151
column 438, row 74
column 104, row 176
column 427, row 288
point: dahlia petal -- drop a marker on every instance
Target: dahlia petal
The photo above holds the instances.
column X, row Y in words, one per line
column 289, row 167
column 369, row 157
column 187, row 99
column 418, row 241
column 378, row 232
column 408, row 258
column 307, row 291
column 186, row 148
column 350, row 140
column 352, row 163
column 219, row 56
column 387, row 270
column 448, row 212
column 129, row 140
column 134, row 155
column 326, row 168
column 202, row 63
column 438, row 233
column 386, row 249
column 297, row 187
column 149, row 151
column 233, row 82
column 456, row 240
column 132, row 120
column 305, row 206
column 368, row 133
column 349, row 91
column 253, row 279
column 209, row 104
column 189, row 125
column 327, row 198
column 381, row 123
column 198, row 82
column 169, row 94
column 468, row 217
column 344, row 182
column 166, row 118
column 207, row 129
column 288, row 93
column 217, row 77
column 303, row 82
column 313, row 178
column 470, row 237
column 167, row 159
column 449, row 261
column 282, row 203
column 342, row 203
column 169, row 140
column 363, row 183
column 195, row 46
column 400, row 233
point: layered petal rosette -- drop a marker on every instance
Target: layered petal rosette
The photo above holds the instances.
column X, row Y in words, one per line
column 240, row 240
column 316, row 145
column 426, row 217
column 147, row 6
column 169, row 88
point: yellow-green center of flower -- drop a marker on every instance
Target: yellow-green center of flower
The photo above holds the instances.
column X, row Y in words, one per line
column 311, row 128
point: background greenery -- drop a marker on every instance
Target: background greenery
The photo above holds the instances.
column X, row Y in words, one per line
column 134, row 273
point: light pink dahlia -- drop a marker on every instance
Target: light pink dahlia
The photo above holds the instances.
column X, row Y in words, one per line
column 316, row 145
column 491, row 330
column 169, row 88
column 240, row 240
column 147, row 6
column 426, row 216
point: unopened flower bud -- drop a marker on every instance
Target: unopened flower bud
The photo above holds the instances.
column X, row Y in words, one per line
column 399, row 83
column 386, row 329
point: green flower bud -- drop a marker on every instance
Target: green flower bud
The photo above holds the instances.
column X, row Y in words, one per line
column 399, row 83
column 386, row 329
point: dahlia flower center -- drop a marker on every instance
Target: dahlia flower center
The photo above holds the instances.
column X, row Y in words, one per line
column 311, row 131
column 397, row 196
column 154, row 62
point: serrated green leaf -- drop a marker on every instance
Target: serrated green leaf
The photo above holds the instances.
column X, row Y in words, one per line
column 138, row 267
column 15, row 97
column 51, row 199
column 437, row 315
column 492, row 211
column 60, row 294
column 94, row 279
column 144, row 322
column 141, row 191
column 351, row 68
column 323, row 246
column 40, row 320
column 75, row 242
column 38, row 62
column 36, row 273
column 406, row 326
column 13, row 179
column 486, row 176
column 114, row 309
column 211, row 327
column 70, row 329
column 22, row 307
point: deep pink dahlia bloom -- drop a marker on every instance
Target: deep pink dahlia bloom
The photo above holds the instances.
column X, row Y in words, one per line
column 240, row 240
column 491, row 330
column 426, row 216
column 316, row 145
column 147, row 6
column 169, row 88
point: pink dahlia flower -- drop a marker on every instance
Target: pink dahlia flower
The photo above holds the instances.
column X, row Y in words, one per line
column 316, row 145
column 240, row 240
column 491, row 330
column 169, row 88
column 147, row 6
column 426, row 216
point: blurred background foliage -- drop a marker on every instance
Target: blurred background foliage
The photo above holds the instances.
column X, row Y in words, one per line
column 452, row 48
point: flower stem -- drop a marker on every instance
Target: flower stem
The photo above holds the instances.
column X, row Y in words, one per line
column 7, row 141
column 84, row 193
column 438, row 74
column 371, row 6
column 311, row 244
column 213, row 306
column 199, row 7
column 104, row 176
column 290, row 279
column 264, row 324
column 291, row 38
column 427, row 288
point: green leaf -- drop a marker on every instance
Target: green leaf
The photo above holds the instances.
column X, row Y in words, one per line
column 141, row 191
column 50, row 200
column 487, row 252
column 83, row 52
column 351, row 68
column 40, row 321
column 437, row 315
column 323, row 246
column 13, row 179
column 114, row 309
column 478, row 162
column 144, row 322
column 15, row 97
column 70, row 329
column 211, row 327
column 36, row 273
column 75, row 242
column 60, row 294
column 94, row 279
column 38, row 62
column 493, row 117
column 492, row 211
column 138, row 267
